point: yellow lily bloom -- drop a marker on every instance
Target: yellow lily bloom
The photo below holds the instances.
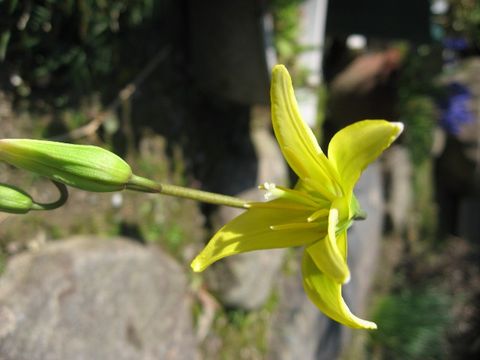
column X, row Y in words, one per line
column 318, row 211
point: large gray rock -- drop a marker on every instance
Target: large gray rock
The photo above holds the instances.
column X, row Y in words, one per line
column 91, row 298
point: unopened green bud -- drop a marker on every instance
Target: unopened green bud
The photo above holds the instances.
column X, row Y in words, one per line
column 14, row 200
column 86, row 167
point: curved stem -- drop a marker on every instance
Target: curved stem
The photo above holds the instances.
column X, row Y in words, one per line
column 62, row 189
column 139, row 183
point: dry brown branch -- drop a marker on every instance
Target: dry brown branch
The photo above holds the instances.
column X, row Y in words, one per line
column 125, row 94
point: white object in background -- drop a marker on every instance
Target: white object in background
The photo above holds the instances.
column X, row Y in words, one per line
column 312, row 38
column 356, row 42
column 439, row 7
column 117, row 200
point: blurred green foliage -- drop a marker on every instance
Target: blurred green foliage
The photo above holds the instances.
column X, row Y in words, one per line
column 64, row 45
column 412, row 325
column 416, row 105
column 419, row 114
column 286, row 21
column 464, row 19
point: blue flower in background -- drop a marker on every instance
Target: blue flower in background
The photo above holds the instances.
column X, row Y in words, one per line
column 457, row 44
column 455, row 110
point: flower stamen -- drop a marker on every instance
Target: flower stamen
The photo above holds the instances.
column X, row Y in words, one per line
column 277, row 205
column 295, row 226
column 318, row 214
column 279, row 192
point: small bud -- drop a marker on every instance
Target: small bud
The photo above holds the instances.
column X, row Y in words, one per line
column 14, row 200
column 86, row 167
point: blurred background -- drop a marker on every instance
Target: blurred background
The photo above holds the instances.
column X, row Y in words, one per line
column 180, row 89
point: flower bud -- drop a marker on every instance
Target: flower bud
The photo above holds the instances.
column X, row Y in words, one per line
column 14, row 200
column 86, row 167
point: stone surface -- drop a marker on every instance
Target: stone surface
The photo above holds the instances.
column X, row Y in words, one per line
column 92, row 298
column 364, row 238
column 246, row 280
column 400, row 200
column 236, row 280
column 300, row 330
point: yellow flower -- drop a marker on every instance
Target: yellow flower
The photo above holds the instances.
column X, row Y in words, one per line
column 318, row 211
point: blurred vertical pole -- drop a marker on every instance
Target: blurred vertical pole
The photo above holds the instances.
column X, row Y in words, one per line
column 312, row 38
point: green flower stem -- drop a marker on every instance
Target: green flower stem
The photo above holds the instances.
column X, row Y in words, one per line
column 61, row 200
column 139, row 183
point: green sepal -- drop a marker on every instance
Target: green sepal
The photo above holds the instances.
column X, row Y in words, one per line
column 86, row 167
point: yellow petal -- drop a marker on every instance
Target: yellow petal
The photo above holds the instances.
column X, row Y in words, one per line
column 326, row 254
column 321, row 193
column 326, row 294
column 255, row 230
column 296, row 139
column 357, row 145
